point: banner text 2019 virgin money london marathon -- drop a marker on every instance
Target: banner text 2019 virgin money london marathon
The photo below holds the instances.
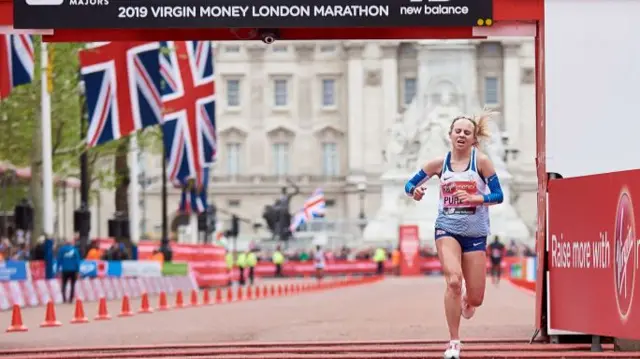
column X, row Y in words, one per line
column 96, row 14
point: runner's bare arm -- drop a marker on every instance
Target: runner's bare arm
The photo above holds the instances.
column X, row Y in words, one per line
column 487, row 170
column 430, row 169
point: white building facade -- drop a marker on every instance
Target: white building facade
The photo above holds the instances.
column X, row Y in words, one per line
column 317, row 112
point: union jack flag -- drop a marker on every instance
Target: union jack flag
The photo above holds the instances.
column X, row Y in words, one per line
column 188, row 93
column 122, row 88
column 314, row 207
column 16, row 62
column 194, row 198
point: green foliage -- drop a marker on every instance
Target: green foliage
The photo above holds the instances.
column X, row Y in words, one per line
column 19, row 114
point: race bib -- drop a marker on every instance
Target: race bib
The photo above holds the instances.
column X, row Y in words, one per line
column 451, row 204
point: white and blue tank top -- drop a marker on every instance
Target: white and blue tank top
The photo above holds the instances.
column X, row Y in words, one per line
column 461, row 218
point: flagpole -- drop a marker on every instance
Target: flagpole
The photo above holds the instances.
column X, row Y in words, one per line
column 165, row 247
column 134, row 190
column 48, row 214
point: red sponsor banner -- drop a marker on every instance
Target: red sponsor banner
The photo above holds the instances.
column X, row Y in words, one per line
column 593, row 254
column 409, row 240
column 37, row 269
column 208, row 266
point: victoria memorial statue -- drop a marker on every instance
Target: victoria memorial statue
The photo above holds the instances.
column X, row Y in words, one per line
column 420, row 134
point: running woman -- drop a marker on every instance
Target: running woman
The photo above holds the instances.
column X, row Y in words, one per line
column 468, row 184
column 496, row 253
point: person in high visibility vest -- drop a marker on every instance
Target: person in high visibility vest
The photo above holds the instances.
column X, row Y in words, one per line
column 395, row 261
column 241, row 262
column 379, row 256
column 252, row 260
column 278, row 260
column 228, row 258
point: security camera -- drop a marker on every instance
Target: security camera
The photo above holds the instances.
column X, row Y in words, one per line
column 269, row 36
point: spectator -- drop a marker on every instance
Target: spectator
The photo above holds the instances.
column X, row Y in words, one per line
column 94, row 253
column 157, row 256
column 22, row 254
column 69, row 265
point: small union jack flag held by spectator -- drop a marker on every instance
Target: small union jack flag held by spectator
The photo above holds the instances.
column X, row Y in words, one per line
column 314, row 207
column 122, row 88
column 189, row 127
column 194, row 199
column 17, row 62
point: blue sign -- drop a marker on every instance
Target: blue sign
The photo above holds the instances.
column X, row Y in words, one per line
column 13, row 270
column 88, row 269
column 114, row 269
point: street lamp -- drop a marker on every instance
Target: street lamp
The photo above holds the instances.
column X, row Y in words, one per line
column 362, row 190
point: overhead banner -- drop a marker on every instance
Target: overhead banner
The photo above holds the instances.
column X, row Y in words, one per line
column 154, row 14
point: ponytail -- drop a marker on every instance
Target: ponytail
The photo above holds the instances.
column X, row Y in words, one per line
column 482, row 126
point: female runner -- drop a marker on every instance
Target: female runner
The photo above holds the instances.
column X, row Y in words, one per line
column 468, row 184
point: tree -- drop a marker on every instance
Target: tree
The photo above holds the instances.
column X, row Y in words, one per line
column 20, row 136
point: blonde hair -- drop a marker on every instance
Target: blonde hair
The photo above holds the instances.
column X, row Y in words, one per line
column 480, row 125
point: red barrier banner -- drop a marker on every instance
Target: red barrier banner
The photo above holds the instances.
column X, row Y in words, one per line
column 37, row 269
column 409, row 240
column 207, row 264
column 593, row 254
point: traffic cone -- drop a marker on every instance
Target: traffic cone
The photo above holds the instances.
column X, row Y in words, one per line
column 50, row 317
column 179, row 300
column 78, row 316
column 239, row 296
column 286, row 290
column 280, row 290
column 265, row 292
column 16, row 320
column 126, row 307
column 258, row 293
column 144, row 304
column 229, row 295
column 163, row 304
column 103, row 312
column 272, row 291
column 249, row 292
column 218, row 295
column 206, row 300
column 194, row 298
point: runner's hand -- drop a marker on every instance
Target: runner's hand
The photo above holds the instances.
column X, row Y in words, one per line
column 418, row 193
column 465, row 197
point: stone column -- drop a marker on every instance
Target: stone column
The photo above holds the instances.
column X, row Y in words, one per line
column 423, row 75
column 389, row 84
column 306, row 100
column 511, row 90
column 355, row 87
column 305, row 52
column 257, row 143
column 525, row 139
column 257, row 82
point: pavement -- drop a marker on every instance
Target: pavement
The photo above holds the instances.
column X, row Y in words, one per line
column 407, row 308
